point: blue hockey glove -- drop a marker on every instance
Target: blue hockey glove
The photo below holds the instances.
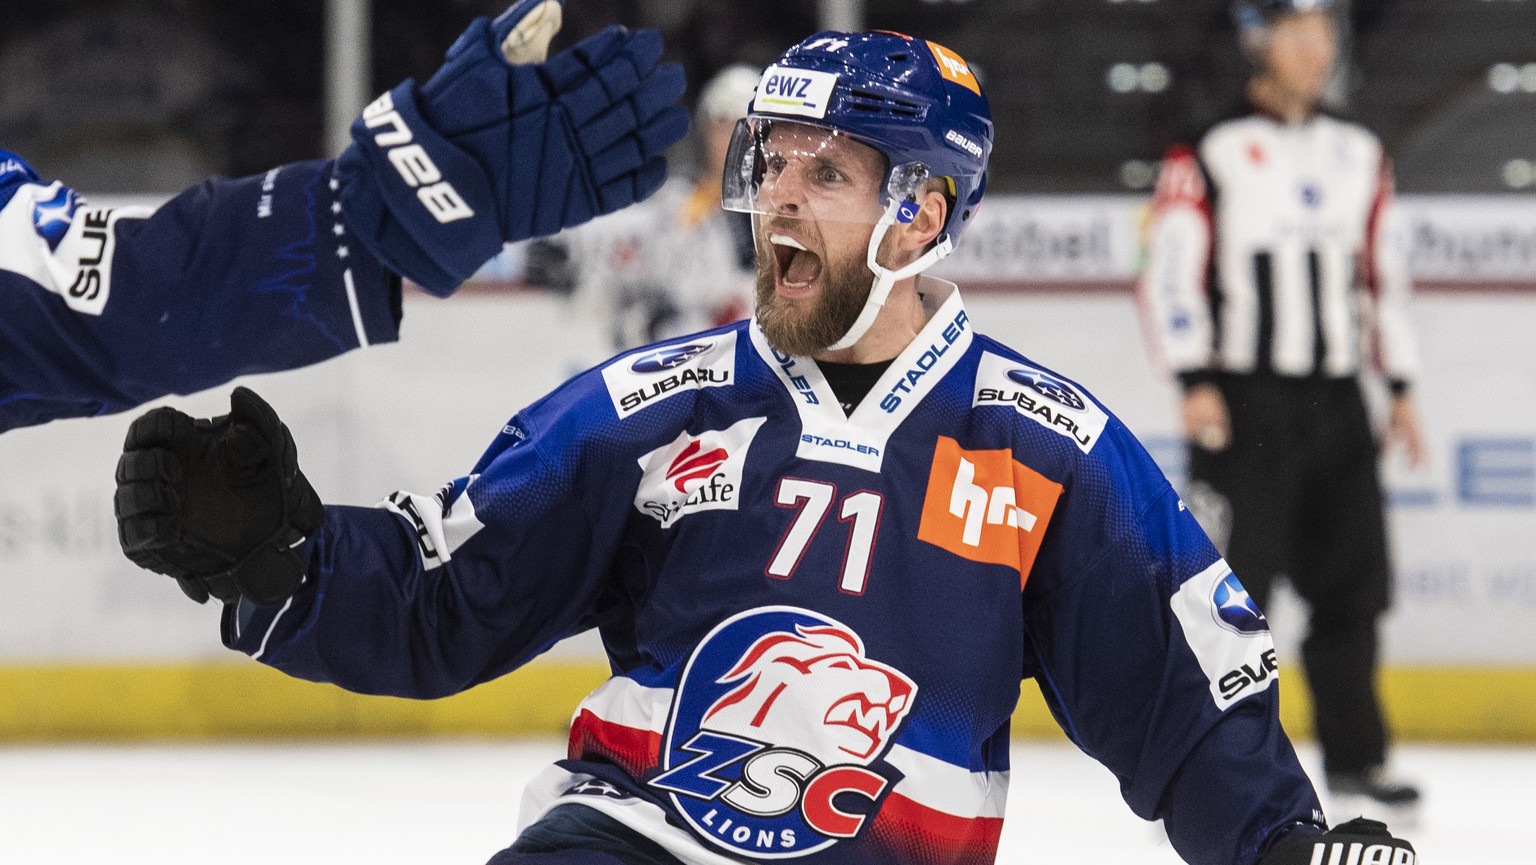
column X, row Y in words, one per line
column 502, row 145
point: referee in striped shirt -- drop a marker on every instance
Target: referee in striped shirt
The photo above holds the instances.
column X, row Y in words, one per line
column 1274, row 275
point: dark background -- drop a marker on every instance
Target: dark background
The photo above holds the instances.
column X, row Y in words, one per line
column 151, row 95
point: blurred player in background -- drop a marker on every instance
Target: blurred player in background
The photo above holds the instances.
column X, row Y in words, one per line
column 1275, row 276
column 678, row 263
column 104, row 309
column 823, row 548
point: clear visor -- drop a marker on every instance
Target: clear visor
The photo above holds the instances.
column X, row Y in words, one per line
column 794, row 170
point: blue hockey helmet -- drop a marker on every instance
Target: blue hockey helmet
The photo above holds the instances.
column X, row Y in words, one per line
column 916, row 102
column 1257, row 14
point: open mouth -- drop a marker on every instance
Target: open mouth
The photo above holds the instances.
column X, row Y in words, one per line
column 797, row 266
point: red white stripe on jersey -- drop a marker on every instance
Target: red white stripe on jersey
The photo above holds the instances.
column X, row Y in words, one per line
column 621, row 721
column 941, row 813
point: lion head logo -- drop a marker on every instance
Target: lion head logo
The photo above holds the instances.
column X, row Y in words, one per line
column 778, row 733
column 815, row 688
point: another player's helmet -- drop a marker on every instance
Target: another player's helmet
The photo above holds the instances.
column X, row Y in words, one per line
column 916, row 102
column 728, row 94
column 1258, row 14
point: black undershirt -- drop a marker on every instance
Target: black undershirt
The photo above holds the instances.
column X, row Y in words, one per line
column 851, row 382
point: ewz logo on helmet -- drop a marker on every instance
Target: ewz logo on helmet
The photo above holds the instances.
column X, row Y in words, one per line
column 802, row 92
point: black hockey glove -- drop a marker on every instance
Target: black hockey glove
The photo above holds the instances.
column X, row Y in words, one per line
column 220, row 504
column 1358, row 840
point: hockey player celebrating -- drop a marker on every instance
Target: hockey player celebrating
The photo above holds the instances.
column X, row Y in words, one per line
column 104, row 309
column 823, row 547
column 1271, row 235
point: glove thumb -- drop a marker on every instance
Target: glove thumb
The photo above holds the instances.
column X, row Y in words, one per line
column 246, row 406
column 526, row 29
column 255, row 435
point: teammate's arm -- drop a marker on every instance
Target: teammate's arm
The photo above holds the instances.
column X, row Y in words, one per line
column 102, row 310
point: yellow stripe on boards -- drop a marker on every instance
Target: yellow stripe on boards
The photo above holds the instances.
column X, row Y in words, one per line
column 252, row 701
column 100, row 702
column 1438, row 704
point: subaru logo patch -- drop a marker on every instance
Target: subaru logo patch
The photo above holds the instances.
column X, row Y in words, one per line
column 667, row 358
column 1051, row 388
column 1235, row 609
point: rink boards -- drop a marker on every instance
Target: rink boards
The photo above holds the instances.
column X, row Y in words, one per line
column 90, row 647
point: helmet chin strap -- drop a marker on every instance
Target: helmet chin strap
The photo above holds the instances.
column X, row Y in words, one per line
column 885, row 278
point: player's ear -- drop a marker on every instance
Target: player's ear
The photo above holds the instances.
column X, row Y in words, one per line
column 915, row 237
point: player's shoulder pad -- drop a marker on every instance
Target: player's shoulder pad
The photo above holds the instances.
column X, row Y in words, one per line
column 633, row 397
column 1040, row 397
column 639, row 381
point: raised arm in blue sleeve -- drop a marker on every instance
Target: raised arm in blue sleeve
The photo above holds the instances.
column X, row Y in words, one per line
column 1158, row 665
column 428, row 595
column 104, row 309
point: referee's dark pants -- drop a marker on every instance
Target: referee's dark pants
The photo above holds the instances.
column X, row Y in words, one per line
column 1297, row 494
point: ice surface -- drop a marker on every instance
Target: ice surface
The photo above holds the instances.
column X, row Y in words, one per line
column 444, row 802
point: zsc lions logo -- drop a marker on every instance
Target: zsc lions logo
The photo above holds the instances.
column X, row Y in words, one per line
column 668, row 358
column 1235, row 609
column 777, row 731
column 1048, row 387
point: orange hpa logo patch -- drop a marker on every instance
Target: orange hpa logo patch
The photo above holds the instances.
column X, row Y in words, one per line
column 986, row 506
column 953, row 68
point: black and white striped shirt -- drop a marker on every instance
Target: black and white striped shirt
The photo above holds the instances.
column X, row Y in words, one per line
column 1273, row 249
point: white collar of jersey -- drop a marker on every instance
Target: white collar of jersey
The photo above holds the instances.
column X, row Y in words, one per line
column 859, row 440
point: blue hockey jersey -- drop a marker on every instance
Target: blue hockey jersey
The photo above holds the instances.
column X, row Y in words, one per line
column 818, row 624
column 104, row 309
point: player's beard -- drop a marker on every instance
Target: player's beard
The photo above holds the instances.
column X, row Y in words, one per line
column 802, row 332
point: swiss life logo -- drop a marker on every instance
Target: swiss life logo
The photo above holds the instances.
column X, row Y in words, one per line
column 695, row 464
column 986, row 506
column 778, row 731
column 696, row 473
